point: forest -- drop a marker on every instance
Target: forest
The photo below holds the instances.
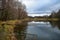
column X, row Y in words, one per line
column 12, row 10
column 16, row 10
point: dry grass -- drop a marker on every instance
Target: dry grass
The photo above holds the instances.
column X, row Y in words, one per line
column 10, row 22
column 19, row 21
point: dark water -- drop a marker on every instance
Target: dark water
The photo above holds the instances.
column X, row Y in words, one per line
column 41, row 30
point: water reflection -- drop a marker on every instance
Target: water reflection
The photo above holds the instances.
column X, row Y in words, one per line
column 44, row 30
column 55, row 24
column 20, row 31
column 41, row 30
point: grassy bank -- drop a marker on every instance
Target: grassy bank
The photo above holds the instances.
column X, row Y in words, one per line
column 10, row 22
column 42, row 19
column 28, row 19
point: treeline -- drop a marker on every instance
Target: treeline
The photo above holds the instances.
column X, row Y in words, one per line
column 55, row 14
column 12, row 9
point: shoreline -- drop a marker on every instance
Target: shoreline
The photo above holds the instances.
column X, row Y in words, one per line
column 28, row 19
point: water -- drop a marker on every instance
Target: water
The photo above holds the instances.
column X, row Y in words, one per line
column 43, row 30
column 39, row 30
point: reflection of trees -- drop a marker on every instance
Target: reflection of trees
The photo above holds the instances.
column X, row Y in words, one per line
column 55, row 24
column 20, row 30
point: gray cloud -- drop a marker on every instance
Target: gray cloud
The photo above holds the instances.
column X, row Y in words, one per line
column 42, row 6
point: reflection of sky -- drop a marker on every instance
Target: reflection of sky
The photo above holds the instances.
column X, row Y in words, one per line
column 35, row 6
column 43, row 30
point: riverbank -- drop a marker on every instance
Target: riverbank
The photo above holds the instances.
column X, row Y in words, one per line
column 28, row 19
column 10, row 22
column 42, row 19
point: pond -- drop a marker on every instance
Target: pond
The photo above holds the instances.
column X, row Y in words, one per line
column 34, row 30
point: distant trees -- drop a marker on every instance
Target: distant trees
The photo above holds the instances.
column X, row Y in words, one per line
column 13, row 10
column 55, row 14
column 58, row 14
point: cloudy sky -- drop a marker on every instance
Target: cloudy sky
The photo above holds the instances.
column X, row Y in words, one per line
column 41, row 7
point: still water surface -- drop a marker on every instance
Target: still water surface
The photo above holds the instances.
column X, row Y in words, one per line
column 31, row 31
column 43, row 30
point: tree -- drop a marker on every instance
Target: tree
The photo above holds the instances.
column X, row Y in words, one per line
column 13, row 10
column 55, row 14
